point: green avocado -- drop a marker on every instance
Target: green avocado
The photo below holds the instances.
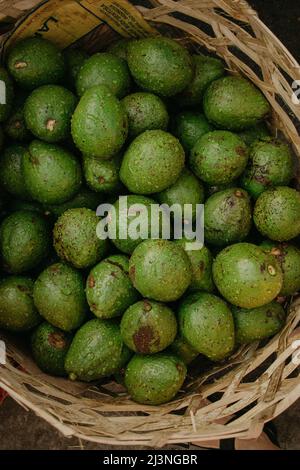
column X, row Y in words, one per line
column 277, row 213
column 216, row 188
column 84, row 198
column 20, row 205
column 75, row 238
column 102, row 176
column 156, row 379
column 74, row 59
column 227, row 217
column 257, row 132
column 99, row 123
column 160, row 65
column 247, row 276
column 288, row 257
column 119, row 48
column 104, row 69
column 219, row 157
column 6, row 109
column 15, row 127
column 270, row 164
column 160, row 270
column 145, row 112
column 34, row 62
column 189, row 126
column 59, row 296
column 206, row 323
column 148, row 327
column 186, row 190
column 258, row 323
column 51, row 173
column 24, row 241
column 234, row 103
column 109, row 290
column 49, row 347
column 206, row 70
column 152, row 163
column 48, row 112
column 96, row 351
column 11, row 171
column 182, row 349
column 17, row 310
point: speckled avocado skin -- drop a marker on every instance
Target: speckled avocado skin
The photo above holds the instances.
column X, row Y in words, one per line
column 160, row 270
column 59, row 296
column 145, row 112
column 52, row 174
column 99, row 123
column 247, row 276
column 219, row 157
column 34, row 62
column 84, row 198
column 160, row 65
column 11, row 172
column 257, row 132
column 288, row 256
column 277, row 213
column 258, row 323
column 6, row 109
column 109, row 290
column 49, row 347
column 227, row 217
column 24, row 241
column 102, row 176
column 270, row 164
column 189, row 126
column 181, row 348
column 48, row 112
column 152, row 163
column 17, row 310
column 206, row 323
column 234, row 103
column 74, row 59
column 148, row 327
column 75, row 238
column 95, row 351
column 119, row 48
column 153, row 380
column 104, row 68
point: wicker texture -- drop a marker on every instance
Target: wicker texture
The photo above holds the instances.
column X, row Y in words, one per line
column 258, row 383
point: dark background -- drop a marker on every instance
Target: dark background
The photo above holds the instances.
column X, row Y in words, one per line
column 23, row 430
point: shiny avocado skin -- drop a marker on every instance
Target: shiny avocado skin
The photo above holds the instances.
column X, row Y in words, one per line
column 189, row 126
column 102, row 176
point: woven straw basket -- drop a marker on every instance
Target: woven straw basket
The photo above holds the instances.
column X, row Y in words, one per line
column 259, row 382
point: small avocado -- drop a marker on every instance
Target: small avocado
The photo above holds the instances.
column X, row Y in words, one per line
column 102, row 176
column 17, row 310
column 181, row 348
column 270, row 164
column 219, row 157
column 154, row 380
column 75, row 238
column 95, row 352
column 119, row 48
column 24, row 241
column 15, row 127
column 49, row 347
column 189, row 126
column 277, row 213
column 74, row 59
column 247, row 276
column 201, row 262
column 160, row 270
column 206, row 323
column 145, row 112
column 206, row 70
column 148, row 327
column 227, row 217
column 11, row 171
column 109, row 289
column 288, row 257
column 104, row 69
column 152, row 163
column 234, row 103
column 59, row 296
column 51, row 173
column 84, row 198
column 186, row 190
column 258, row 323
column 48, row 112
column 6, row 108
column 257, row 132
column 160, row 65
column 99, row 123
column 34, row 62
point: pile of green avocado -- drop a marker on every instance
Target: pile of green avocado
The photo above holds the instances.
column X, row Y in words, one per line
column 148, row 120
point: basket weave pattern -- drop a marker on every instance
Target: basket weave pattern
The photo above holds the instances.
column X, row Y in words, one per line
column 258, row 383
